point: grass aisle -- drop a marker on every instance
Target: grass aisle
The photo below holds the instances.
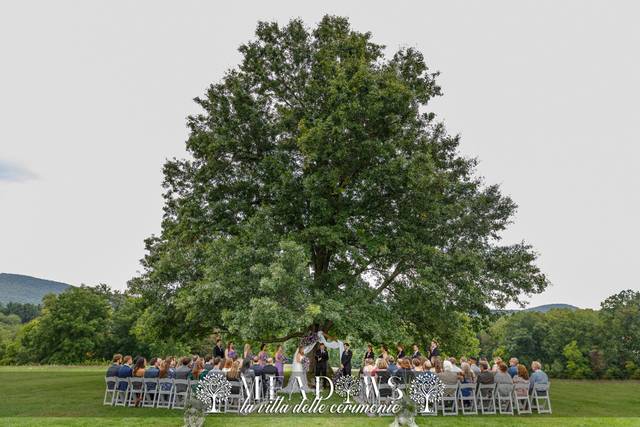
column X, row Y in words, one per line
column 72, row 396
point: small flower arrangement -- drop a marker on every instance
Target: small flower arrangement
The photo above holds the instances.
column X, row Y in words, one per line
column 308, row 340
column 306, row 363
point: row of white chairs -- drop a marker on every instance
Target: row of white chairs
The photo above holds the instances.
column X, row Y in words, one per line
column 173, row 393
column 472, row 399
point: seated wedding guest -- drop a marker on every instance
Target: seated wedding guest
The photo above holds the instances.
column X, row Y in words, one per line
column 246, row 353
column 221, row 364
column 208, row 362
column 391, row 365
column 218, row 349
column 466, row 377
column 369, row 367
column 417, row 365
column 513, row 367
column 473, row 363
column 404, row 372
column 166, row 372
column 154, row 368
column 256, row 367
column 485, row 376
column 215, row 365
column 194, row 358
column 447, row 376
column 400, row 348
column 426, row 366
column 198, row 368
column 183, row 371
column 521, row 377
column 416, row 352
column 496, row 364
column 245, row 369
column 538, row 376
column 437, row 365
column 454, row 366
column 138, row 371
column 384, row 352
column 112, row 370
column 368, row 354
column 228, row 364
column 125, row 371
column 268, row 370
column 234, row 372
column 502, row 376
column 381, row 369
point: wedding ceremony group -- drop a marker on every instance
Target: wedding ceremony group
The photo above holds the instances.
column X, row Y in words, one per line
column 471, row 385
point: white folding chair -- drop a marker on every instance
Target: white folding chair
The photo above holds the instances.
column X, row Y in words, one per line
column 110, row 390
column 149, row 392
column 486, row 398
column 233, row 403
column 521, row 395
column 123, row 388
column 540, row 398
column 504, row 398
column 449, row 400
column 164, row 394
column 467, row 399
column 180, row 394
column 135, row 391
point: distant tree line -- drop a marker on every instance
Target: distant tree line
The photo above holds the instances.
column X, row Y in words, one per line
column 86, row 324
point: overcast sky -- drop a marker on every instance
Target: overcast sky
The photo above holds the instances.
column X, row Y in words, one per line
column 94, row 95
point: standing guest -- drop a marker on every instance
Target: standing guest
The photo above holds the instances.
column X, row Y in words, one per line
column 486, row 376
column 384, row 352
column 538, row 376
column 502, row 376
column 279, row 360
column 125, row 371
column 345, row 359
column 262, row 355
column 454, row 366
column 230, row 352
column 473, row 364
column 400, row 348
column 513, row 367
column 391, row 365
column 183, row 371
column 208, row 363
column 447, row 375
column 369, row 353
column 246, row 353
column 434, row 350
column 322, row 358
column 218, row 349
column 416, row 352
column 112, row 370
column 521, row 377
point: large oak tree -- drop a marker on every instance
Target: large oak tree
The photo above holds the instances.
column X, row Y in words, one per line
column 320, row 190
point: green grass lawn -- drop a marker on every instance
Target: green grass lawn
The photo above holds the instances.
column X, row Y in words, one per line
column 72, row 396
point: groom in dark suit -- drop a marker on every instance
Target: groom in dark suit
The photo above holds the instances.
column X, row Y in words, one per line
column 322, row 357
column 345, row 359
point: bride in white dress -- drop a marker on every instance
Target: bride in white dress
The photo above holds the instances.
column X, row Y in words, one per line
column 297, row 371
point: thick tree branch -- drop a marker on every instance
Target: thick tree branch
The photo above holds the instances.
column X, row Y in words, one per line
column 282, row 339
column 389, row 279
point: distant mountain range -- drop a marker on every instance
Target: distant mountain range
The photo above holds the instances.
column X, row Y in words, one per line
column 27, row 289
column 547, row 307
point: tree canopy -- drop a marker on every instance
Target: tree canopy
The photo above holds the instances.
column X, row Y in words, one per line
column 320, row 190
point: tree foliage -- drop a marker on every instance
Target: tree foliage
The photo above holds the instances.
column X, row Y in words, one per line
column 321, row 191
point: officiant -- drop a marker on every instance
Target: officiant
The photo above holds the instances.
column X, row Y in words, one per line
column 322, row 359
